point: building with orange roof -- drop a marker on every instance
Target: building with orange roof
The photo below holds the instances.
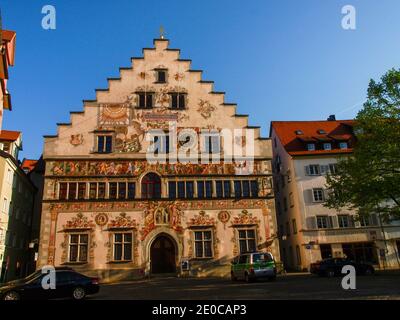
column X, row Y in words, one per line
column 303, row 153
column 7, row 57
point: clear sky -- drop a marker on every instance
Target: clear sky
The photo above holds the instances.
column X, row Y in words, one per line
column 277, row 59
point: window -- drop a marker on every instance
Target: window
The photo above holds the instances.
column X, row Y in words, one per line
column 151, row 186
column 104, row 144
column 161, row 76
column 78, row 247
column 178, row 101
column 204, row 189
column 131, row 190
column 247, row 240
column 223, row 189
column 211, row 143
column 81, row 190
column 163, row 147
column 5, row 205
column 122, row 246
column 172, row 189
column 294, row 226
column 327, row 146
column 344, row 221
column 318, row 195
column 333, row 168
column 101, row 190
column 343, row 145
column 246, row 188
column 298, row 132
column 310, row 146
column 92, row 190
column 122, row 190
column 9, row 176
column 238, row 188
column 298, row 255
column 145, row 100
column 63, row 191
column 181, row 189
column 313, row 170
column 364, row 221
column 322, row 222
column 112, row 190
column 203, row 244
column 285, row 204
column 291, row 199
column 254, row 188
column 321, row 131
column 287, row 228
column 189, row 189
column 72, row 191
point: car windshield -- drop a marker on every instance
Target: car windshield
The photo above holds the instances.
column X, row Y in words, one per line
column 29, row 278
column 262, row 257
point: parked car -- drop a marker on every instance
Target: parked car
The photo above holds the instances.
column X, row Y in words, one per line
column 252, row 266
column 333, row 266
column 69, row 284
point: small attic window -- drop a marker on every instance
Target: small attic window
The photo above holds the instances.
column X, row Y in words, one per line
column 299, row 132
column 161, row 76
column 321, row 131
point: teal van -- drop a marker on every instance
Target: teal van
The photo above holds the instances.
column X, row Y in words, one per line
column 253, row 266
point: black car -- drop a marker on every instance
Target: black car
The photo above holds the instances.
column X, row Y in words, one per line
column 69, row 284
column 333, row 266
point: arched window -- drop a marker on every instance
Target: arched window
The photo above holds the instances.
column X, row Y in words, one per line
column 151, row 186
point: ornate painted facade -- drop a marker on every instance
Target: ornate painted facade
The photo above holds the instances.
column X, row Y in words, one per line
column 108, row 210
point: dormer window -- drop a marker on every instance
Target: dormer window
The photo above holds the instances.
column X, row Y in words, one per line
column 178, row 101
column 161, row 76
column 321, row 131
column 327, row 146
column 343, row 145
column 299, row 132
column 311, row 146
column 145, row 100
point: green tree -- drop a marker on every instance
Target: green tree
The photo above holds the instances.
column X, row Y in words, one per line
column 369, row 180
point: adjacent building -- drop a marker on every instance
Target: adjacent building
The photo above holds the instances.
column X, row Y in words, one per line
column 303, row 153
column 108, row 210
column 16, row 198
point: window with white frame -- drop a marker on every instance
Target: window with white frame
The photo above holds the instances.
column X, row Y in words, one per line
column 322, row 222
column 365, row 221
column 318, row 195
column 311, row 146
column 344, row 221
column 9, row 176
column 78, row 247
column 327, row 146
column 203, row 244
column 313, row 170
column 343, row 145
column 247, row 240
column 5, row 205
column 122, row 246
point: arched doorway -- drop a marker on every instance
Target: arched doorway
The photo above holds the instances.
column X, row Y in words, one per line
column 163, row 255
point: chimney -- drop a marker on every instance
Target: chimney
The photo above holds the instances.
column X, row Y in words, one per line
column 332, row 117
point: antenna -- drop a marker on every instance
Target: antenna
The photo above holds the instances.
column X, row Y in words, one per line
column 162, row 32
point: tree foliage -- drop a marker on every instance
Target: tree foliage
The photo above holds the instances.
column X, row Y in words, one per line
column 369, row 180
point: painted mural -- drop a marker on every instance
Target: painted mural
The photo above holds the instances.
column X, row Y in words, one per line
column 137, row 167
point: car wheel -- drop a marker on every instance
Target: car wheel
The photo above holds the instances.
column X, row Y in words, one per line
column 233, row 278
column 12, row 295
column 330, row 273
column 79, row 293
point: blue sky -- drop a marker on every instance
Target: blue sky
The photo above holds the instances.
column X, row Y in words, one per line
column 277, row 59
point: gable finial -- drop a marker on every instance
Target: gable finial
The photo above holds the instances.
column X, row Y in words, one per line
column 162, row 32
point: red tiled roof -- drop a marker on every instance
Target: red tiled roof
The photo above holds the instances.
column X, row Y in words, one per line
column 9, row 135
column 339, row 130
column 7, row 35
column 28, row 164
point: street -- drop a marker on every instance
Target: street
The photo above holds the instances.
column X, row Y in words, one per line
column 301, row 286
